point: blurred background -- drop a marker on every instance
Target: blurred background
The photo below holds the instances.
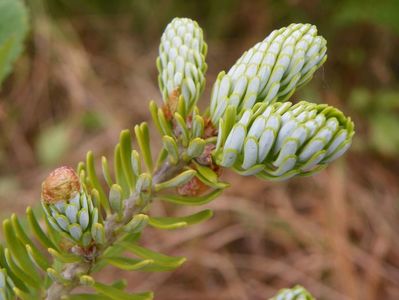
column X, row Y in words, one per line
column 88, row 71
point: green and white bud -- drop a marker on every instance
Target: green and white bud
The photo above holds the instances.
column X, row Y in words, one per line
column 271, row 70
column 68, row 206
column 296, row 293
column 282, row 140
column 181, row 64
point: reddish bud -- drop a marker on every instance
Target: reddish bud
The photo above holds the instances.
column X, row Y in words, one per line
column 205, row 158
column 209, row 129
column 194, row 187
column 60, row 185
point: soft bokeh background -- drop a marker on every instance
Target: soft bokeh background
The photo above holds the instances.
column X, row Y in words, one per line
column 88, row 71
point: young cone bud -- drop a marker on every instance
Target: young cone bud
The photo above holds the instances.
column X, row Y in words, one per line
column 68, row 207
column 271, row 70
column 181, row 65
column 283, row 140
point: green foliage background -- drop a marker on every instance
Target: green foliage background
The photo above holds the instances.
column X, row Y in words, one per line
column 13, row 28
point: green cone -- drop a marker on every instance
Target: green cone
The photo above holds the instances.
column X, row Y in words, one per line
column 271, row 70
column 181, row 65
column 282, row 140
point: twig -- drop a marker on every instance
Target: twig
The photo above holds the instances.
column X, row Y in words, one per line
column 73, row 271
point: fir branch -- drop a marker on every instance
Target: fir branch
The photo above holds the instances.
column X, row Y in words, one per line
column 248, row 127
column 73, row 271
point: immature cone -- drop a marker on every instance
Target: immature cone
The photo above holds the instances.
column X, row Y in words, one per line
column 181, row 65
column 296, row 293
column 282, row 140
column 68, row 207
column 271, row 70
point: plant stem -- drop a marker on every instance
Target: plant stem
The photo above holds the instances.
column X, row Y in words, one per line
column 112, row 224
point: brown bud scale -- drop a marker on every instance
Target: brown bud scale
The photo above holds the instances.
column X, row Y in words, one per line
column 194, row 187
column 60, row 185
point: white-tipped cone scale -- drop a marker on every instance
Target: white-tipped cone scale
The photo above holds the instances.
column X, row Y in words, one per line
column 271, row 70
column 181, row 65
column 69, row 208
column 282, row 140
